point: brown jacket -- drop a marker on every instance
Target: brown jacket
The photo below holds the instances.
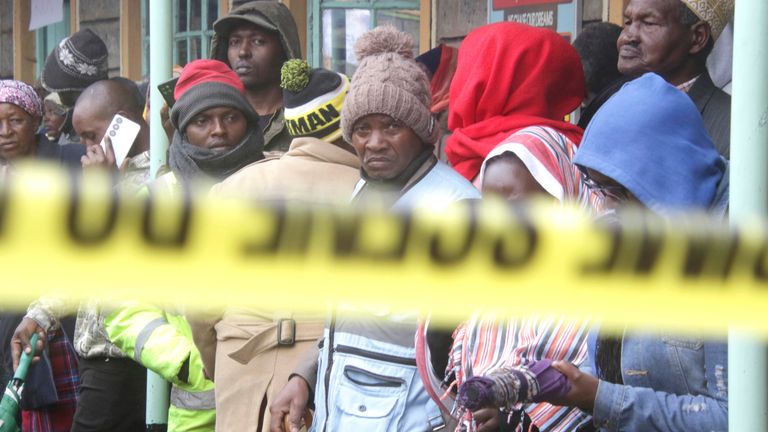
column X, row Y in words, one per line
column 312, row 171
column 240, row 350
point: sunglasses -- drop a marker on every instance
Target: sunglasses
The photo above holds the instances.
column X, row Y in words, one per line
column 614, row 192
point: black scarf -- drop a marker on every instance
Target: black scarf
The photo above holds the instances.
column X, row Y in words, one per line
column 192, row 162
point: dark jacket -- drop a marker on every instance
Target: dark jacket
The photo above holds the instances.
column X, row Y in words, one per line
column 715, row 108
column 67, row 154
column 272, row 16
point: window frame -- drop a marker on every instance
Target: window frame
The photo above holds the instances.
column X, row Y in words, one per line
column 314, row 20
column 205, row 34
column 46, row 38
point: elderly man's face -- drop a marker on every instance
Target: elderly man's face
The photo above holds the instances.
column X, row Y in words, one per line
column 384, row 145
column 653, row 39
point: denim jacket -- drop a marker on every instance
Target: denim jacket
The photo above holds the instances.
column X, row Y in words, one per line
column 671, row 384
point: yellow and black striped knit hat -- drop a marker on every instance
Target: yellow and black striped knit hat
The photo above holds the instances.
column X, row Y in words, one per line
column 313, row 100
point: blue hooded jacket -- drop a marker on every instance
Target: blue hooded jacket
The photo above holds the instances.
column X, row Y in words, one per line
column 650, row 138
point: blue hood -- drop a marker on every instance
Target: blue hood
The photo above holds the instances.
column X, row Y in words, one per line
column 650, row 138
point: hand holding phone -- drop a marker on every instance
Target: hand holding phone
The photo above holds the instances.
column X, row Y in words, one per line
column 166, row 89
column 122, row 133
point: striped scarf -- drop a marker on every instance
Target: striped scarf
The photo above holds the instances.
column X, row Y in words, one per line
column 485, row 343
column 548, row 155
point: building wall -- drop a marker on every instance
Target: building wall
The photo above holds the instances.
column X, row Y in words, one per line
column 6, row 39
column 455, row 18
column 593, row 11
column 103, row 17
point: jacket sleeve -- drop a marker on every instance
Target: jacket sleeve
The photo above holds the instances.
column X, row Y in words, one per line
column 204, row 336
column 619, row 407
column 143, row 332
column 47, row 311
column 307, row 366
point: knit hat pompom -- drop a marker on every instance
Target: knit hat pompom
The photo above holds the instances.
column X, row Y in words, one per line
column 384, row 39
column 389, row 81
column 294, row 75
column 313, row 100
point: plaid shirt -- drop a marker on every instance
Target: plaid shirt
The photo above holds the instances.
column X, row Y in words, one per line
column 57, row 417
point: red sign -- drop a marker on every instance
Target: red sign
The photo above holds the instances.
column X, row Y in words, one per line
column 505, row 4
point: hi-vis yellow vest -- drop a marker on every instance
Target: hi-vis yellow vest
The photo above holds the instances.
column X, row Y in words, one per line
column 162, row 342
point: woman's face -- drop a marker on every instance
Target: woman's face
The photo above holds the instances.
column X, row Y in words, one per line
column 17, row 132
column 508, row 177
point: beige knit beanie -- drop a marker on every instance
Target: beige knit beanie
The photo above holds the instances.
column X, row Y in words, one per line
column 388, row 81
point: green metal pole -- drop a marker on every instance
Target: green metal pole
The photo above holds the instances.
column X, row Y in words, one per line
column 160, row 39
column 160, row 66
column 158, row 392
column 747, row 355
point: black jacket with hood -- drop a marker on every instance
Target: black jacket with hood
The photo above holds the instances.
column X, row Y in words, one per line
column 273, row 16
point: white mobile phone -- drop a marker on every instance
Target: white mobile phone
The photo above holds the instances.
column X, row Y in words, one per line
column 122, row 132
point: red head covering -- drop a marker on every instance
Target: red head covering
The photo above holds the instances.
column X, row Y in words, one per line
column 441, row 81
column 510, row 76
column 205, row 71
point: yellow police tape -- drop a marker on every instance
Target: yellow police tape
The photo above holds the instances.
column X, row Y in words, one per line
column 63, row 236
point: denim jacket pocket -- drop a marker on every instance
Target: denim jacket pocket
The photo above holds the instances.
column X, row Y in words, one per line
column 686, row 368
column 692, row 343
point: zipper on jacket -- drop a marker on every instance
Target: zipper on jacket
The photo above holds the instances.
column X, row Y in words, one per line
column 328, row 366
column 346, row 349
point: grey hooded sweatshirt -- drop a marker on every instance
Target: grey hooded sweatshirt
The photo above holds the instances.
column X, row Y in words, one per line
column 273, row 16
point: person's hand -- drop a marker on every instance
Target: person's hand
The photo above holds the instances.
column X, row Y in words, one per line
column 165, row 120
column 96, row 156
column 487, row 419
column 20, row 340
column 583, row 387
column 288, row 407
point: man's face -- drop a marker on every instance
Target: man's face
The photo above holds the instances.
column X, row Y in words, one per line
column 17, row 131
column 653, row 39
column 91, row 121
column 255, row 54
column 219, row 129
column 384, row 145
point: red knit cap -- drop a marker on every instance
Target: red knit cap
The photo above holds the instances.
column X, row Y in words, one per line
column 205, row 71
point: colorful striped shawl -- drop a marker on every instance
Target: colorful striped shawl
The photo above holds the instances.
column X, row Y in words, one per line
column 485, row 343
column 548, row 155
